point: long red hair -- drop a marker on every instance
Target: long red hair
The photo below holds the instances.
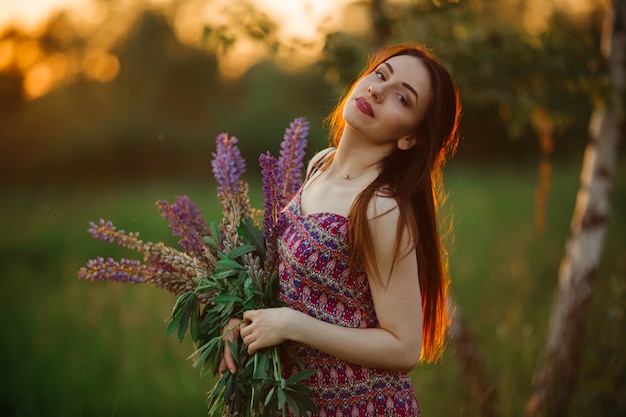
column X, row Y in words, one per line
column 413, row 178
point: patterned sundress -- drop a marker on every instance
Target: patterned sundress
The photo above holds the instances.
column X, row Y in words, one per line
column 316, row 278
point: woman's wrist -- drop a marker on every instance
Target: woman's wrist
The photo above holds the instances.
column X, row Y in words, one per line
column 295, row 325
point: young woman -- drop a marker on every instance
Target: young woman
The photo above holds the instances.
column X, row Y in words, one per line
column 361, row 267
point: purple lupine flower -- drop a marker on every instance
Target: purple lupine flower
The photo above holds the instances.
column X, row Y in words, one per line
column 228, row 165
column 185, row 221
column 103, row 230
column 273, row 202
column 291, row 160
column 106, row 232
column 126, row 270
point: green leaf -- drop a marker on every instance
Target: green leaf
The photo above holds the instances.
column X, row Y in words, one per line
column 230, row 388
column 241, row 250
column 204, row 282
column 207, row 288
column 269, row 396
column 211, row 242
column 171, row 328
column 293, row 404
column 215, row 229
column 210, row 324
column 224, row 264
column 180, row 302
column 281, row 397
column 297, row 388
column 252, row 235
column 194, row 329
column 261, row 369
column 233, row 349
column 303, row 403
column 201, row 348
column 301, row 376
column 178, row 314
column 247, row 281
column 224, row 274
column 210, row 348
column 214, row 239
column 186, row 312
column 228, row 301
column 216, row 396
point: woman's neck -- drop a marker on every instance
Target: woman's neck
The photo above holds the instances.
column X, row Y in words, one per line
column 355, row 157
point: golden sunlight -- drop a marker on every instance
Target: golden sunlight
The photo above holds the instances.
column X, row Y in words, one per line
column 302, row 18
column 7, row 53
column 47, row 73
column 29, row 14
column 38, row 80
column 538, row 12
column 101, row 66
column 300, row 26
column 28, row 52
column 300, row 29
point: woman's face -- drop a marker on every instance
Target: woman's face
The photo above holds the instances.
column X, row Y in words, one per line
column 389, row 103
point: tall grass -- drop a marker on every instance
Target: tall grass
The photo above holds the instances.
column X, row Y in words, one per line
column 74, row 348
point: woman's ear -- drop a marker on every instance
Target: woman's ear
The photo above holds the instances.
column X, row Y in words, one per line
column 406, row 143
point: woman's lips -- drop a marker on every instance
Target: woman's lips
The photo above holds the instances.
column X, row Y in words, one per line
column 364, row 106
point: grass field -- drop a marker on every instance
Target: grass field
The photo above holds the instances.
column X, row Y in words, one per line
column 75, row 348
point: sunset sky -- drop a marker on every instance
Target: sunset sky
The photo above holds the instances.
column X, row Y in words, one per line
column 306, row 20
column 299, row 17
column 29, row 13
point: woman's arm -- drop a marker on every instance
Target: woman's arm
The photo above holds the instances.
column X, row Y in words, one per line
column 395, row 345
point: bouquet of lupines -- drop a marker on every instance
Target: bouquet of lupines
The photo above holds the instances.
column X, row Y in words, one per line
column 223, row 270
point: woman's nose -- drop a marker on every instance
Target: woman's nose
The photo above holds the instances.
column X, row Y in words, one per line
column 375, row 92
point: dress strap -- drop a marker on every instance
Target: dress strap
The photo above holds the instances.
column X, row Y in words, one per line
column 318, row 162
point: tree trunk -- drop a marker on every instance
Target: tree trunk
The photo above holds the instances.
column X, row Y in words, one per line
column 554, row 381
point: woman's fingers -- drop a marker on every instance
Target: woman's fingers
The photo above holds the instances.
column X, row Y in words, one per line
column 228, row 362
column 231, row 333
column 262, row 328
column 249, row 332
column 248, row 316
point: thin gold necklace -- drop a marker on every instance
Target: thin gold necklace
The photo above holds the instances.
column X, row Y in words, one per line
column 348, row 177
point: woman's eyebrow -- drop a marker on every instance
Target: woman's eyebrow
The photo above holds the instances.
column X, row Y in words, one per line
column 405, row 85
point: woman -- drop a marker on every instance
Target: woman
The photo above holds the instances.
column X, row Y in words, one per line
column 361, row 267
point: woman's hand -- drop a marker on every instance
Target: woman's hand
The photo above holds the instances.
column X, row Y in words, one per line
column 265, row 328
column 231, row 333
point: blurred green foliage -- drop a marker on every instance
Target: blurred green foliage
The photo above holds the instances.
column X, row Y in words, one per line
column 169, row 100
column 76, row 348
column 90, row 149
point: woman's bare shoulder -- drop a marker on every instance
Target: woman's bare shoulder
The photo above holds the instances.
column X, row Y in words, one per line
column 383, row 204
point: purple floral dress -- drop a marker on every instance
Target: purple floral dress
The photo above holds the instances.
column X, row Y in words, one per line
column 316, row 278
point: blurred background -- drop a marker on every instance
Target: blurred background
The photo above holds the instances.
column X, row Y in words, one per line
column 107, row 106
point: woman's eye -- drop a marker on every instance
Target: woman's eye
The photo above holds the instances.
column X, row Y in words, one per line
column 402, row 99
column 380, row 75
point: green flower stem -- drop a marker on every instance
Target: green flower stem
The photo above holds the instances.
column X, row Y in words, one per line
column 278, row 372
